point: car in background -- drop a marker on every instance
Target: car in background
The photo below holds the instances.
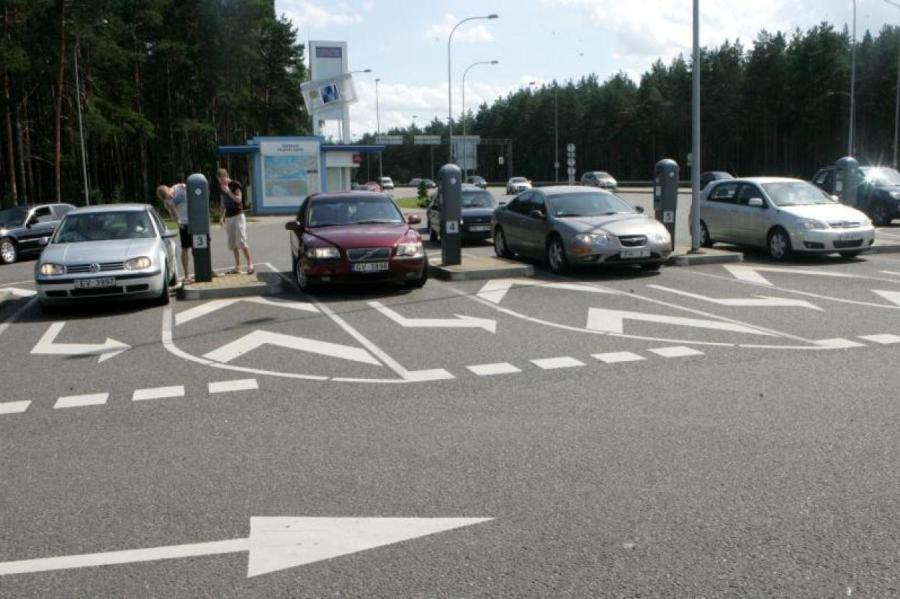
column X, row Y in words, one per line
column 109, row 251
column 877, row 192
column 386, row 183
column 517, row 185
column 576, row 226
column 355, row 237
column 477, row 181
column 371, row 186
column 710, row 176
column 600, row 179
column 429, row 184
column 27, row 229
column 782, row 215
column 477, row 209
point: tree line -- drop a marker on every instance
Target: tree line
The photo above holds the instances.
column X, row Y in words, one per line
column 161, row 83
column 777, row 107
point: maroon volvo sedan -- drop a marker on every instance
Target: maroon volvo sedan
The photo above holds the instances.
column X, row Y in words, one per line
column 355, row 236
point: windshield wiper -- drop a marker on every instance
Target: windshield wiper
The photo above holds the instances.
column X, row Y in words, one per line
column 377, row 221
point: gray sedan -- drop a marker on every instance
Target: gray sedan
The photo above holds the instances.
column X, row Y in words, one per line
column 574, row 226
column 117, row 250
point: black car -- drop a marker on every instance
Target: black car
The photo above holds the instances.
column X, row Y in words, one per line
column 877, row 191
column 478, row 207
column 27, row 229
column 477, row 181
column 709, row 177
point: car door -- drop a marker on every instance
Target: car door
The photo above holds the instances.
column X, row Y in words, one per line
column 511, row 218
column 38, row 229
column 168, row 243
column 751, row 223
column 718, row 212
column 535, row 228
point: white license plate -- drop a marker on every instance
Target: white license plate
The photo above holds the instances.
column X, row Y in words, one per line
column 849, row 236
column 370, row 267
column 478, row 228
column 634, row 254
column 95, row 283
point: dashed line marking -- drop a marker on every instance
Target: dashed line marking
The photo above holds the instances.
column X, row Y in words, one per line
column 232, row 386
column 884, row 339
column 619, row 356
column 14, row 407
column 79, row 401
column 678, row 351
column 492, row 369
column 839, row 343
column 158, row 393
column 554, row 363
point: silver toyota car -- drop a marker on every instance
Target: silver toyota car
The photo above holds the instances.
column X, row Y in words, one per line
column 579, row 226
column 117, row 250
column 782, row 215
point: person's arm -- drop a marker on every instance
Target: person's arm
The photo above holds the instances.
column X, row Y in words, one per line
column 173, row 214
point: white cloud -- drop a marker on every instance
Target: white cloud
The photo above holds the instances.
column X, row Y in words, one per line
column 310, row 14
column 472, row 32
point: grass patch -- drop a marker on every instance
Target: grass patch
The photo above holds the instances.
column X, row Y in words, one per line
column 412, row 202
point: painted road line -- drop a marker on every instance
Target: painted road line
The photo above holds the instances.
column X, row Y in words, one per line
column 750, row 273
column 459, row 322
column 232, row 386
column 78, row 401
column 14, row 407
column 492, row 369
column 18, row 292
column 215, row 305
column 617, row 357
column 47, row 345
column 890, row 272
column 257, row 339
column 884, row 339
column 158, row 393
column 612, row 321
column 555, row 363
column 494, row 291
column 891, row 296
column 678, row 351
column 838, row 343
column 760, row 301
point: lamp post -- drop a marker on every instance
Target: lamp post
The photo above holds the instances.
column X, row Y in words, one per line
column 450, row 83
column 361, row 71
column 465, row 144
column 87, row 196
column 695, row 150
column 378, row 129
column 852, row 86
column 897, row 104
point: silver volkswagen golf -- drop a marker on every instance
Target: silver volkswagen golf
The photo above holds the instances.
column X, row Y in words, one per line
column 782, row 215
column 578, row 226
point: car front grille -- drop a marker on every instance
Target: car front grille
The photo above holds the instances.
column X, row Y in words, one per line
column 75, row 269
column 845, row 224
column 99, row 291
column 633, row 240
column 368, row 254
column 475, row 220
column 848, row 244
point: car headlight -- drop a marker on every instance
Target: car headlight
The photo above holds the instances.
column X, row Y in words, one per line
column 410, row 250
column 323, row 253
column 52, row 270
column 139, row 263
column 661, row 236
column 810, row 223
column 592, row 238
column 895, row 195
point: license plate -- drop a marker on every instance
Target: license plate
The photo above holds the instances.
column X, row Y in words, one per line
column 370, row 267
column 849, row 236
column 478, row 228
column 95, row 283
column 634, row 254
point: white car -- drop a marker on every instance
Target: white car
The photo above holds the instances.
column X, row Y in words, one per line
column 782, row 215
column 600, row 179
column 517, row 185
column 386, row 183
column 110, row 251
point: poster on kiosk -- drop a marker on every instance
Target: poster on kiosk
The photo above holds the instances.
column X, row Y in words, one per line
column 290, row 171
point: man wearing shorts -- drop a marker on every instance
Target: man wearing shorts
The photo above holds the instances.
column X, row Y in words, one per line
column 234, row 221
column 175, row 200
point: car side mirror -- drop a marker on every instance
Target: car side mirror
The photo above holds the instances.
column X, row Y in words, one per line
column 835, row 198
column 413, row 219
column 640, row 209
column 756, row 203
column 538, row 214
column 170, row 234
column 293, row 225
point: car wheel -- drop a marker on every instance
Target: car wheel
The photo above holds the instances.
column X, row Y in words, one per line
column 500, row 247
column 850, row 255
column 779, row 245
column 9, row 251
column 651, row 266
column 164, row 296
column 879, row 215
column 705, row 240
column 556, row 255
column 304, row 281
column 420, row 282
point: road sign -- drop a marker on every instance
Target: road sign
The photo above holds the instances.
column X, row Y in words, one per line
column 570, row 161
column 47, row 346
column 570, row 170
column 570, row 148
column 500, row 160
column 427, row 140
column 389, row 140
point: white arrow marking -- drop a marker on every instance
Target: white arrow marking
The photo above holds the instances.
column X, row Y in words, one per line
column 612, row 321
column 460, row 322
column 751, row 274
column 46, row 346
column 760, row 301
column 257, row 339
column 19, row 292
column 215, row 305
column 494, row 291
column 891, row 296
column 274, row 543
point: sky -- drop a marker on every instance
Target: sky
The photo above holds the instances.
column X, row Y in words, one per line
column 404, row 42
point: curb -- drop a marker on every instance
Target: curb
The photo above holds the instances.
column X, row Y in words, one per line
column 719, row 257
column 455, row 273
column 887, row 248
column 266, row 285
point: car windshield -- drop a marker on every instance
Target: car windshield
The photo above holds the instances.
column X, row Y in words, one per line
column 518, row 180
column 477, row 199
column 587, row 204
column 104, row 226
column 796, row 193
column 353, row 211
column 602, row 174
column 13, row 217
column 881, row 175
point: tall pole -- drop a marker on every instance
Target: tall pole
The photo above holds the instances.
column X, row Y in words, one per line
column 87, row 196
column 463, row 113
column 695, row 151
column 897, row 103
column 556, row 129
column 450, row 85
column 852, row 86
column 378, row 129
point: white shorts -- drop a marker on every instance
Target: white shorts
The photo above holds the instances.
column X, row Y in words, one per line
column 236, row 229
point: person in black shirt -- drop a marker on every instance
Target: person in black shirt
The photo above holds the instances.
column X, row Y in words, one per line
column 233, row 219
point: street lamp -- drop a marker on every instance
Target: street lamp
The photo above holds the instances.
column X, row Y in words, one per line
column 897, row 104
column 852, row 86
column 695, row 149
column 87, row 196
column 450, row 83
column 465, row 143
column 362, row 71
column 378, row 129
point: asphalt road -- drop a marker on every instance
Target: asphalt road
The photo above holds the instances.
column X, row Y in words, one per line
column 700, row 432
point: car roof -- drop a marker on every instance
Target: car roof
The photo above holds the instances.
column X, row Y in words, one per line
column 567, row 189
column 470, row 187
column 761, row 180
column 111, row 208
column 337, row 195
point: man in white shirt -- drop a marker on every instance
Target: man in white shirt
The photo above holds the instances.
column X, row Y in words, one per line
column 174, row 198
